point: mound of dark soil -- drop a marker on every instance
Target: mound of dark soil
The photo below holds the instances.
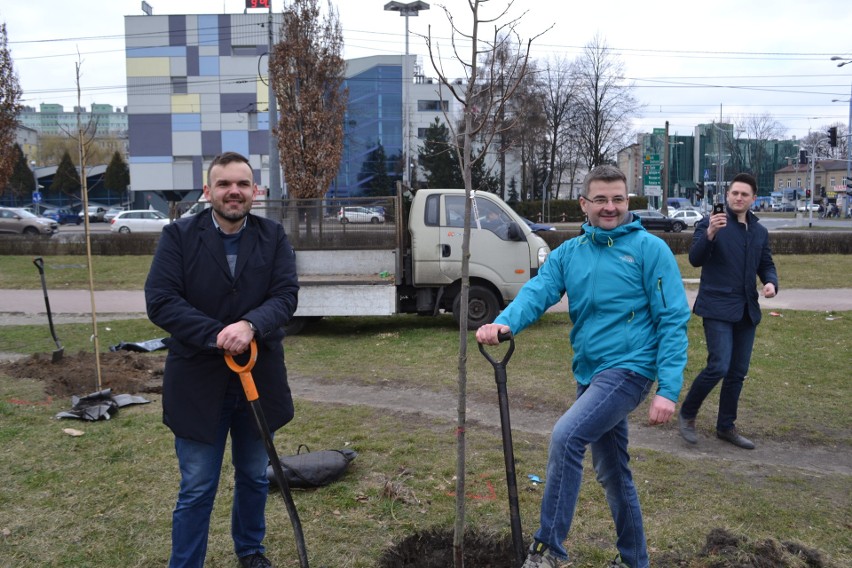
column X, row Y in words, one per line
column 122, row 371
column 722, row 549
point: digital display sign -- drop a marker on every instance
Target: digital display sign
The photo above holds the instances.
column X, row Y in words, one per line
column 257, row 3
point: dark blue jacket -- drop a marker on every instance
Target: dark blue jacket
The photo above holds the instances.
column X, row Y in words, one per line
column 191, row 294
column 730, row 264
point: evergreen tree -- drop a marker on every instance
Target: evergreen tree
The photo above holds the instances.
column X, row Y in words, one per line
column 374, row 172
column 513, row 191
column 482, row 179
column 117, row 175
column 21, row 182
column 438, row 158
column 66, row 179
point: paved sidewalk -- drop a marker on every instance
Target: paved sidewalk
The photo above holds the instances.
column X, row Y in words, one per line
column 19, row 306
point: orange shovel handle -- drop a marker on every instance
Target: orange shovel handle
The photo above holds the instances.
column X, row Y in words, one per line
column 245, row 371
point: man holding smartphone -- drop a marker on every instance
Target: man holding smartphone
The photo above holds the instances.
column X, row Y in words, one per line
column 732, row 249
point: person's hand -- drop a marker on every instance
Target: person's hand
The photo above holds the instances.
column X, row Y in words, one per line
column 717, row 221
column 487, row 334
column 235, row 338
column 662, row 409
column 769, row 290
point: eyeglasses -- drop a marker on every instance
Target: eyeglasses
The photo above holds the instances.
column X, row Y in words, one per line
column 600, row 201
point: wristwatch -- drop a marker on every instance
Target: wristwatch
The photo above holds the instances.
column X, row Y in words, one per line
column 252, row 327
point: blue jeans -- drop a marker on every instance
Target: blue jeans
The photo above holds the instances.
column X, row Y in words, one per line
column 598, row 419
column 200, row 466
column 729, row 346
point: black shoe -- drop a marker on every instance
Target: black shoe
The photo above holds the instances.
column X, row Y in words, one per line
column 734, row 437
column 687, row 429
column 256, row 560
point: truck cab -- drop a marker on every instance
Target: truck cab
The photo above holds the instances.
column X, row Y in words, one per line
column 504, row 252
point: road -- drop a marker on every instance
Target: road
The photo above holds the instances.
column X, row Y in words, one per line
column 19, row 307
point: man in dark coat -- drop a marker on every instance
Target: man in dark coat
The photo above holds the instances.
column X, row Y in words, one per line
column 218, row 280
column 732, row 249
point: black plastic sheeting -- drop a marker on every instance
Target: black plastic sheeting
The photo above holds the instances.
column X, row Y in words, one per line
column 101, row 405
column 140, row 347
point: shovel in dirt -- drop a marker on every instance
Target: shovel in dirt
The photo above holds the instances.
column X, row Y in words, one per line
column 57, row 354
column 253, row 399
column 508, row 450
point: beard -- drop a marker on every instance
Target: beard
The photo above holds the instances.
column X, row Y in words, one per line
column 231, row 211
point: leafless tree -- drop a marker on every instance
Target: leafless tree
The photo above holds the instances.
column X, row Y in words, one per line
column 482, row 103
column 559, row 93
column 759, row 130
column 10, row 107
column 606, row 104
column 307, row 73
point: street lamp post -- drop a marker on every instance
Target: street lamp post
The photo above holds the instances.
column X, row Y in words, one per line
column 405, row 10
column 848, row 139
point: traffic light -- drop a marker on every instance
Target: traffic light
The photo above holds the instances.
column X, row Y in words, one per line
column 803, row 157
column 807, row 194
column 832, row 137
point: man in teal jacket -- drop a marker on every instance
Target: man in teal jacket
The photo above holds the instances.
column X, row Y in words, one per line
column 629, row 310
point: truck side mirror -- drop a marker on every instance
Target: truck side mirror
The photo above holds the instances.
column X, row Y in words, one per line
column 514, row 232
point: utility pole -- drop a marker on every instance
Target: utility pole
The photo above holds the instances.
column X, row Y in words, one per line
column 720, row 172
column 664, row 209
column 274, row 193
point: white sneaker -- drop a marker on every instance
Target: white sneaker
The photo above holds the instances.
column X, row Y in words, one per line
column 540, row 557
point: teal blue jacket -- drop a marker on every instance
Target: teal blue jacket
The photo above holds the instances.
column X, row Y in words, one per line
column 626, row 300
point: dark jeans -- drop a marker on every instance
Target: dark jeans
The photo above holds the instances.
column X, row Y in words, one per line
column 729, row 346
column 200, row 466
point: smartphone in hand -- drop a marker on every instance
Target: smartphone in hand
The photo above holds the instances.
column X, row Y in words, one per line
column 719, row 208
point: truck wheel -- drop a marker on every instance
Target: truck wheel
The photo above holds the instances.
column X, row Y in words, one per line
column 482, row 307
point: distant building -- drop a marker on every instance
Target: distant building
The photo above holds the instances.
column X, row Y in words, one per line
column 27, row 139
column 54, row 120
column 196, row 87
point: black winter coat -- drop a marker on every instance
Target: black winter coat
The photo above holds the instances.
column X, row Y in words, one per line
column 191, row 294
column 730, row 264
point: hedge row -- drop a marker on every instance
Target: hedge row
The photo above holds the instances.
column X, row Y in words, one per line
column 791, row 242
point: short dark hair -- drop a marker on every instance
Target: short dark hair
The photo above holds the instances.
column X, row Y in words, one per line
column 746, row 179
column 224, row 159
column 605, row 172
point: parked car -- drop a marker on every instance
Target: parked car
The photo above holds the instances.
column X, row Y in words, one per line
column 689, row 216
column 536, row 227
column 112, row 212
column 62, row 215
column 96, row 213
column 655, row 221
column 782, row 207
column 811, row 206
column 360, row 215
column 138, row 221
column 19, row 220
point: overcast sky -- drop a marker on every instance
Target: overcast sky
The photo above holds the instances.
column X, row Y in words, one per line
column 685, row 59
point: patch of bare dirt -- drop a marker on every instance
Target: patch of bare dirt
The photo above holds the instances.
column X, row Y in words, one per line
column 722, row 549
column 124, row 372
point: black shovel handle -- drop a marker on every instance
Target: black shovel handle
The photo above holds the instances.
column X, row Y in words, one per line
column 500, row 364
column 250, row 390
column 508, row 448
column 39, row 263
